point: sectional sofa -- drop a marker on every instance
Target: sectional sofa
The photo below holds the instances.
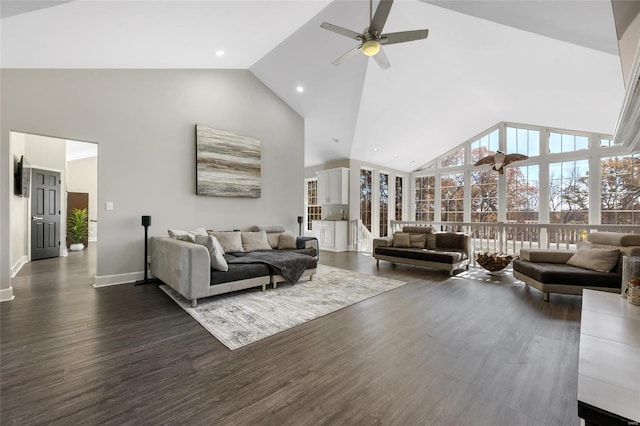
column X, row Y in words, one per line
column 205, row 263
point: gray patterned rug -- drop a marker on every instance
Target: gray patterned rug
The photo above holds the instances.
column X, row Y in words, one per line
column 240, row 318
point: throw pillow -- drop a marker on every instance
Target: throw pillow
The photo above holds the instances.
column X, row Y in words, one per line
column 272, row 238
column 417, row 240
column 431, row 241
column 179, row 234
column 212, row 244
column 231, row 241
column 287, row 241
column 252, row 241
column 595, row 259
column 401, row 239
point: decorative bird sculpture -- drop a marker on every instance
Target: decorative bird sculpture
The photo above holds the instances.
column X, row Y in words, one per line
column 499, row 160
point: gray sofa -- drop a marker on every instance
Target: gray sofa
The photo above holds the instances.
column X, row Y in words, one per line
column 186, row 267
column 446, row 251
column 548, row 271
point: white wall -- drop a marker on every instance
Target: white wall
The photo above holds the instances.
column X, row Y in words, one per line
column 19, row 211
column 82, row 176
column 144, row 121
column 629, row 44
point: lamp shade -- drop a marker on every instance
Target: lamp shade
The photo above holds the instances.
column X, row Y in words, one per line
column 146, row 220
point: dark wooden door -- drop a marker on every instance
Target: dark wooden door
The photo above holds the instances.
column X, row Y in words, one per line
column 78, row 200
column 45, row 214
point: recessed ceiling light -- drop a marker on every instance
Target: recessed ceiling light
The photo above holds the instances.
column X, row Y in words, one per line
column 300, row 89
column 376, row 149
column 412, row 161
column 219, row 52
column 395, row 155
column 336, row 140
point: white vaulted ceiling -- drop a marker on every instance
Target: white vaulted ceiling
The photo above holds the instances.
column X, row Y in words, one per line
column 550, row 63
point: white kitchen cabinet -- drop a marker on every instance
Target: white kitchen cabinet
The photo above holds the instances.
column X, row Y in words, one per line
column 333, row 186
column 332, row 235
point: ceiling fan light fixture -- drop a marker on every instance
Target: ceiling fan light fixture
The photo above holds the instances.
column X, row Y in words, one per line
column 370, row 47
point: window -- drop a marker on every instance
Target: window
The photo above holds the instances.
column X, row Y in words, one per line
column 561, row 142
column 452, row 197
column 569, row 192
column 484, row 196
column 454, row 159
column 523, row 194
column 365, row 197
column 425, row 198
column 384, row 204
column 314, row 210
column 486, row 145
column 523, row 141
column 606, row 143
column 620, row 189
column 399, row 184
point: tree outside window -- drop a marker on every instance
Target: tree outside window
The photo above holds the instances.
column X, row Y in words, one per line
column 620, row 190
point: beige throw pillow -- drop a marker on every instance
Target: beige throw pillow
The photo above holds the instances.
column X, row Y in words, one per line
column 190, row 236
column 417, row 240
column 252, row 241
column 229, row 240
column 287, row 241
column 595, row 259
column 401, row 240
column 212, row 244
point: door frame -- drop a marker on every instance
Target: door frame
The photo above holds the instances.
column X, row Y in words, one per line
column 63, row 212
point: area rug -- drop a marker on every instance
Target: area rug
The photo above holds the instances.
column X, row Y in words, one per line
column 237, row 319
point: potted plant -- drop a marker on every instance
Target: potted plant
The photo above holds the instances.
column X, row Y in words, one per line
column 77, row 228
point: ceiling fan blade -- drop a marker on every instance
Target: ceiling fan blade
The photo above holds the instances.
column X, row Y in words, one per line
column 349, row 54
column 382, row 60
column 403, row 36
column 342, row 31
column 380, row 17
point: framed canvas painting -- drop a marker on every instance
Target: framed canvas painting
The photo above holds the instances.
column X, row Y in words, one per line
column 227, row 164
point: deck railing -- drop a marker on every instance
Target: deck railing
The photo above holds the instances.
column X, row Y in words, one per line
column 509, row 238
column 361, row 237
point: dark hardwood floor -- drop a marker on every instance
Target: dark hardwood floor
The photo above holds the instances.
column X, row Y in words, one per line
column 438, row 351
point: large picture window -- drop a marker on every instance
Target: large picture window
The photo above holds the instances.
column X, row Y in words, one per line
column 452, row 197
column 399, row 197
column 486, row 145
column 620, row 190
column 484, row 196
column 384, row 204
column 523, row 194
column 425, row 197
column 523, row 141
column 456, row 158
column 562, row 142
column 569, row 192
column 365, row 197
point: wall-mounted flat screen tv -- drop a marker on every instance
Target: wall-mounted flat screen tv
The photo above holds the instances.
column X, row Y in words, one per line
column 22, row 178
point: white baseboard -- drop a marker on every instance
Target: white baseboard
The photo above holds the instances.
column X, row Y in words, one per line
column 350, row 247
column 6, row 294
column 93, row 239
column 107, row 280
column 19, row 264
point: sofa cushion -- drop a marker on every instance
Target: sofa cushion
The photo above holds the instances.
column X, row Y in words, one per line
column 431, row 241
column 437, row 255
column 218, row 261
column 451, row 240
column 286, row 241
column 417, row 240
column 401, row 239
column 417, row 229
column 557, row 273
column 252, row 241
column 238, row 272
column 614, row 239
column 229, row 240
column 596, row 259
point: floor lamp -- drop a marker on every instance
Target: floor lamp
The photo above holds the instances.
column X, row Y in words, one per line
column 146, row 222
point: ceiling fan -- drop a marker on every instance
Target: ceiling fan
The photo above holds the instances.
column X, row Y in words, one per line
column 372, row 38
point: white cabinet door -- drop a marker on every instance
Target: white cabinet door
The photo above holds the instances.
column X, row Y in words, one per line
column 328, row 237
column 335, row 187
column 323, row 188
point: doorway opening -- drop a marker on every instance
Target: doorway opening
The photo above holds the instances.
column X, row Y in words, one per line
column 63, row 176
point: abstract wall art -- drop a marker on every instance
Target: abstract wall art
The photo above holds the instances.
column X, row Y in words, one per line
column 227, row 164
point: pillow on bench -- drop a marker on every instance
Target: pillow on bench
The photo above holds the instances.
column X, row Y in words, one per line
column 401, row 240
